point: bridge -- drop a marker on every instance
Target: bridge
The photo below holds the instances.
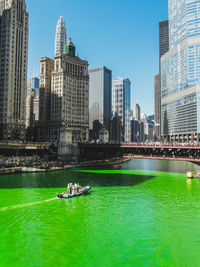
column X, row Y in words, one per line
column 177, row 152
column 19, row 148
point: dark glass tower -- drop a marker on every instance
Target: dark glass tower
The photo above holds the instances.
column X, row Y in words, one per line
column 100, row 96
column 163, row 37
column 163, row 48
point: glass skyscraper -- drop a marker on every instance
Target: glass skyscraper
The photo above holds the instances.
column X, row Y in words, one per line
column 121, row 104
column 180, row 74
column 100, row 96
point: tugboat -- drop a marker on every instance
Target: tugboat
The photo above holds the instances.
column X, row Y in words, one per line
column 74, row 191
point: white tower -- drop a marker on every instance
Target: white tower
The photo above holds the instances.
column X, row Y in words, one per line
column 61, row 37
column 5, row 4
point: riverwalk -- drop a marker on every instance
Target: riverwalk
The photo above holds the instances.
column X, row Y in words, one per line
column 69, row 166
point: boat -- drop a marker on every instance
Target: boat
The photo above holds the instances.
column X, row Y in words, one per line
column 74, row 191
column 118, row 167
column 190, row 175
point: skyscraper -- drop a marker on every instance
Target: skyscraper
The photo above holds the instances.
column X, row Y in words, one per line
column 14, row 25
column 157, row 104
column 28, row 103
column 100, row 96
column 136, row 112
column 180, row 73
column 46, row 68
column 121, row 103
column 163, row 48
column 32, row 87
column 70, row 98
column 35, row 83
column 61, row 37
column 163, row 38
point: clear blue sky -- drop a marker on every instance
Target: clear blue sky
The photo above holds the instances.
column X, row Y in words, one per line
column 120, row 34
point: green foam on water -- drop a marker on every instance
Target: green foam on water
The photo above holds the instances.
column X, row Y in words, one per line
column 20, row 206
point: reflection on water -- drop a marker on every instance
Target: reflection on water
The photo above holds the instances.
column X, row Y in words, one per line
column 161, row 165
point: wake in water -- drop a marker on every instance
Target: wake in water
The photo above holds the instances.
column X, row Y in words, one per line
column 26, row 205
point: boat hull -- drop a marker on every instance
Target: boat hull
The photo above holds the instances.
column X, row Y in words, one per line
column 83, row 191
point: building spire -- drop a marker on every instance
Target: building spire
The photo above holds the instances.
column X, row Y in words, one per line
column 5, row 4
column 61, row 36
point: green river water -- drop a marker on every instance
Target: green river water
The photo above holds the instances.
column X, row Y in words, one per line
column 146, row 214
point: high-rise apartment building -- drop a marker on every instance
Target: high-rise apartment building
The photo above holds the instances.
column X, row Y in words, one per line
column 61, row 37
column 121, row 103
column 100, row 96
column 180, row 74
column 14, row 25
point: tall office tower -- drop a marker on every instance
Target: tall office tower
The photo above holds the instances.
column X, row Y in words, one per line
column 157, row 104
column 13, row 72
column 137, row 131
column 149, row 128
column 28, row 102
column 35, row 83
column 32, row 88
column 115, row 130
column 46, row 68
column 100, row 96
column 61, row 37
column 36, row 107
column 70, row 98
column 121, row 103
column 163, row 48
column 180, row 74
column 136, row 112
column 163, row 37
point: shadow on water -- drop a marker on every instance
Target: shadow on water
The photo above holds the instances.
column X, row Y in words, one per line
column 61, row 179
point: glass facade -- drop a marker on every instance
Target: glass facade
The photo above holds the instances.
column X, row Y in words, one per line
column 184, row 20
column 35, row 83
column 121, row 104
column 180, row 73
column 100, row 96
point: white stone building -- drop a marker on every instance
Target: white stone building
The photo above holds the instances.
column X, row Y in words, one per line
column 61, row 37
column 70, row 96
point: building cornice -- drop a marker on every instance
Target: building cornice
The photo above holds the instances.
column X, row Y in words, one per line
column 181, row 46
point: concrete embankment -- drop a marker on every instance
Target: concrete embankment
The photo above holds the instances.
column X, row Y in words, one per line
column 102, row 163
column 31, row 169
column 27, row 170
column 10, row 170
column 80, row 165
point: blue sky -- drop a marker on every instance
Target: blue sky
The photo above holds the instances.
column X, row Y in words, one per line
column 120, row 34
